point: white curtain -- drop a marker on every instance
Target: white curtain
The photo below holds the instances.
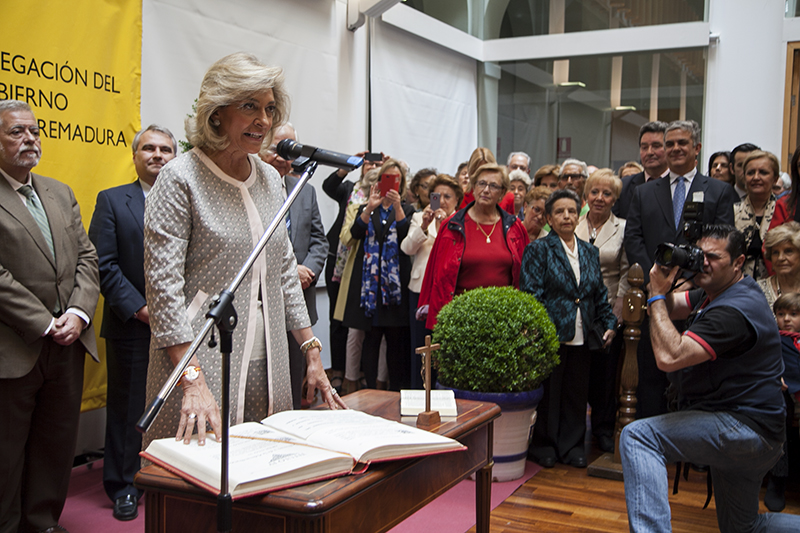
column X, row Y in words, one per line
column 423, row 100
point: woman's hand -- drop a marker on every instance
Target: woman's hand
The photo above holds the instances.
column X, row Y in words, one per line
column 373, row 202
column 427, row 218
column 394, row 199
column 318, row 380
column 198, row 407
column 608, row 336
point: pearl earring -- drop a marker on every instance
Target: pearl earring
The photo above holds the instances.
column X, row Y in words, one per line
column 214, row 122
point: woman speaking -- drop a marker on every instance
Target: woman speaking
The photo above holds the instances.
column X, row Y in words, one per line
column 203, row 216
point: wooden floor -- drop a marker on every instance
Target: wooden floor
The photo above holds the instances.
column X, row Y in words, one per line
column 567, row 499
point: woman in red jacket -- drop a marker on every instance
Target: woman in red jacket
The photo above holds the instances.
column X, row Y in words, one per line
column 479, row 246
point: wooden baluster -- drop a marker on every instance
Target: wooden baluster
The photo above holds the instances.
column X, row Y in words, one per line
column 608, row 465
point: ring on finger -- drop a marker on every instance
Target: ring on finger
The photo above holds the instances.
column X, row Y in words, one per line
column 192, row 416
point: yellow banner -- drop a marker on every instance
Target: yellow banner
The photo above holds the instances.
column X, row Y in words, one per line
column 78, row 65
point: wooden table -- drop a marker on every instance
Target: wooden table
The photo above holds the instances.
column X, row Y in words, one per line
column 374, row 501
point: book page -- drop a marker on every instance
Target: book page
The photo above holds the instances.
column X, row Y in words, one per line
column 252, row 456
column 357, row 433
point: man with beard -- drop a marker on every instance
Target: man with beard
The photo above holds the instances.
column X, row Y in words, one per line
column 48, row 293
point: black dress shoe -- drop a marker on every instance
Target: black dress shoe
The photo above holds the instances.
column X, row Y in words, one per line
column 547, row 462
column 126, row 507
column 576, row 458
column 55, row 529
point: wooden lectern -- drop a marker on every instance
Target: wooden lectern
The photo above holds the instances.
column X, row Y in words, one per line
column 374, row 501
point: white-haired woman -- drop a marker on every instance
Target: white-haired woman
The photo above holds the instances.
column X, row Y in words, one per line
column 520, row 184
column 202, row 218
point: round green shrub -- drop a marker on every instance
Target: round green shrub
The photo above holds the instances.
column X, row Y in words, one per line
column 495, row 339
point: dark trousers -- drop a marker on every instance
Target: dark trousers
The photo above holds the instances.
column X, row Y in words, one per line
column 397, row 356
column 603, row 387
column 561, row 415
column 126, row 362
column 297, row 370
column 39, row 415
column 650, row 392
column 337, row 334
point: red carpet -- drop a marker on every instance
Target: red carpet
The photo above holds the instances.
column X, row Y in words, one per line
column 88, row 509
column 454, row 511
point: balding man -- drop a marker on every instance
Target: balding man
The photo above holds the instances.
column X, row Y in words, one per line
column 48, row 291
column 117, row 231
column 310, row 248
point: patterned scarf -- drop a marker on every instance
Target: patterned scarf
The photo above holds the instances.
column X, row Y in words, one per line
column 380, row 269
column 342, row 251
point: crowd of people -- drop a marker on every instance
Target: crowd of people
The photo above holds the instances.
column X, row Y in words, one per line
column 402, row 246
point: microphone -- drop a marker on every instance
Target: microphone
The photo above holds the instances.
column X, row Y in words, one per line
column 289, row 149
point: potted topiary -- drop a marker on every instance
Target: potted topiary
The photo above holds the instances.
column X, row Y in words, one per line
column 498, row 344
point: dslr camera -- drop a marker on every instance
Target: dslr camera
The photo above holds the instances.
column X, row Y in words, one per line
column 686, row 256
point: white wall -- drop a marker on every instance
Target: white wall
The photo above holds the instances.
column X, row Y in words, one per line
column 745, row 76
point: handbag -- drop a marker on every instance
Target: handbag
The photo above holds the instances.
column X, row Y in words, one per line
column 594, row 340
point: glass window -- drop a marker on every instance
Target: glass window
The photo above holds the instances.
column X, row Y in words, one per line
column 595, row 114
column 495, row 19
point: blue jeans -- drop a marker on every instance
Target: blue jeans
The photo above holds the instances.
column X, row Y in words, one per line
column 738, row 457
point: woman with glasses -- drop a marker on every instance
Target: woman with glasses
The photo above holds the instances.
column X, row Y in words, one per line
column 600, row 228
column 479, row 246
column 446, row 195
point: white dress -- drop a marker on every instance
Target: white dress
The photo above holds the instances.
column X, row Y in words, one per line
column 200, row 226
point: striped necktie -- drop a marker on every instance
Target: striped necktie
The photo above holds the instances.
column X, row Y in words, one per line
column 38, row 214
column 678, row 200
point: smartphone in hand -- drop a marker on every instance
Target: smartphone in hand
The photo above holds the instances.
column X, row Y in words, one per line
column 389, row 182
column 436, row 200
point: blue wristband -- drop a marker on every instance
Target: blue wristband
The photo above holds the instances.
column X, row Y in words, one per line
column 655, row 299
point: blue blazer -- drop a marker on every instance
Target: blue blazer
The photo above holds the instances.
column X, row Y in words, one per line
column 117, row 231
column 547, row 274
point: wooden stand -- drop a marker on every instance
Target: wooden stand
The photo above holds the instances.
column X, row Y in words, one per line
column 608, row 465
column 427, row 418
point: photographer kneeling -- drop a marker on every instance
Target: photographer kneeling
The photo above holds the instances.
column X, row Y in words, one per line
column 725, row 374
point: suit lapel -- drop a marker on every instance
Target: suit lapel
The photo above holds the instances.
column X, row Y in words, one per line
column 136, row 203
column 10, row 201
column 608, row 230
column 664, row 200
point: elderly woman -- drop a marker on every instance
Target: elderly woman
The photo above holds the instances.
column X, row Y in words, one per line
column 377, row 299
column 546, row 176
column 753, row 213
column 572, row 175
column 783, row 249
column 520, row 183
column 534, row 221
column 202, row 218
column 479, row 246
column 418, row 244
column 419, row 187
column 564, row 273
column 719, row 167
column 480, row 157
column 605, row 231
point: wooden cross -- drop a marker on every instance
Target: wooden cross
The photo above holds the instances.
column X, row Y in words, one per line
column 427, row 417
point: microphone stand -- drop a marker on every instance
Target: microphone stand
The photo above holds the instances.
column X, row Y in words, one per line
column 223, row 315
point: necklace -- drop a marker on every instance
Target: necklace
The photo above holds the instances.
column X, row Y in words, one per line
column 593, row 230
column 488, row 235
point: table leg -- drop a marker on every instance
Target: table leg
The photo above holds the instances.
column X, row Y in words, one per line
column 483, row 487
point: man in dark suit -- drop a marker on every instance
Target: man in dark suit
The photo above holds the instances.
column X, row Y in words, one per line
column 654, row 160
column 117, row 231
column 310, row 249
column 652, row 221
column 48, row 293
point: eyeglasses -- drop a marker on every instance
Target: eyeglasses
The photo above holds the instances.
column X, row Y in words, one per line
column 494, row 187
column 565, row 177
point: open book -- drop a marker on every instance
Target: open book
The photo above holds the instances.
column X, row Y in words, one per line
column 294, row 448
